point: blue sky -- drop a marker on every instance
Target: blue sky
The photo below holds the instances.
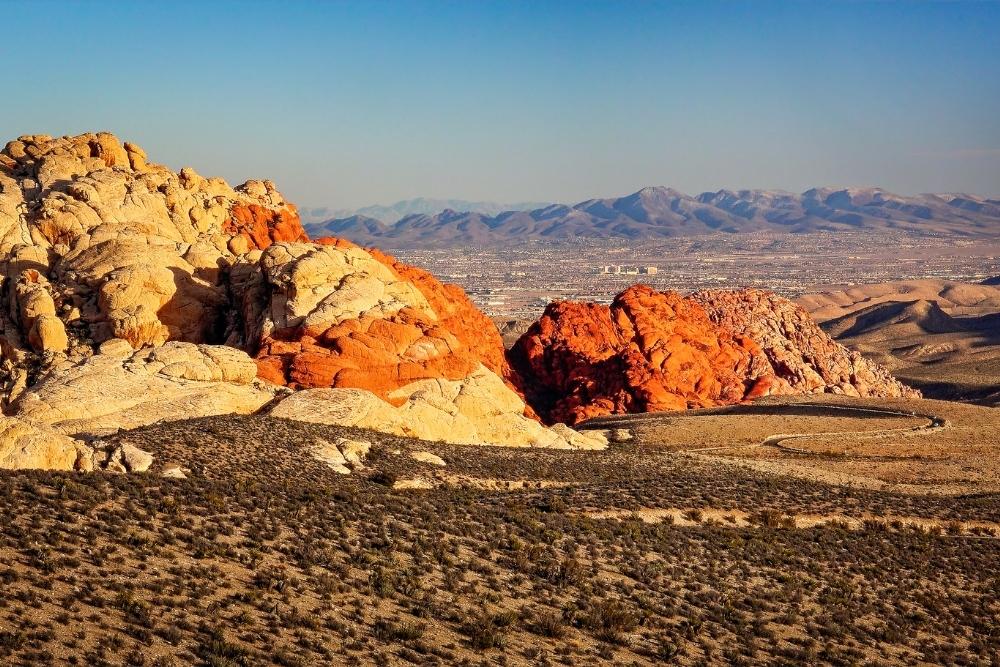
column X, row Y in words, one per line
column 353, row 103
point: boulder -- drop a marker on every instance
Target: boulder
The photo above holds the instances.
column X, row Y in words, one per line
column 427, row 457
column 328, row 453
column 24, row 445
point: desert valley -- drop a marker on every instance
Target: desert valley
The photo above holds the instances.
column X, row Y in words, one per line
column 230, row 441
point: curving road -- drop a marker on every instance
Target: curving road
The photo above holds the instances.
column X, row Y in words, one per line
column 933, row 423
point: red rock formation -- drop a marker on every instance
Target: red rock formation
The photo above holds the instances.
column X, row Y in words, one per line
column 456, row 313
column 370, row 353
column 262, row 226
column 649, row 351
column 654, row 351
column 395, row 325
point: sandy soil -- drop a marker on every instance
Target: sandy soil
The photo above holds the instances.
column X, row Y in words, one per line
column 912, row 446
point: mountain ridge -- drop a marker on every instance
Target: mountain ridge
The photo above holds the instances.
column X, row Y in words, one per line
column 390, row 213
column 661, row 212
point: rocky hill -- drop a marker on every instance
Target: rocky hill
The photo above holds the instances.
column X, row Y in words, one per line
column 133, row 294
column 651, row 351
column 919, row 317
column 940, row 336
column 954, row 297
column 657, row 212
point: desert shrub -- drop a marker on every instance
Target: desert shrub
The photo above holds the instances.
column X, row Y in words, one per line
column 548, row 624
column 611, row 620
column 390, row 631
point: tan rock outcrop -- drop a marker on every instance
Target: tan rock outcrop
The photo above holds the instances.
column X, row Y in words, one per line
column 428, row 457
column 121, row 388
column 104, row 253
column 341, row 456
column 478, row 409
column 95, row 236
column 26, row 446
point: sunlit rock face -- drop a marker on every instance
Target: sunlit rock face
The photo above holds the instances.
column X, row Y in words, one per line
column 801, row 354
column 346, row 317
column 651, row 351
column 372, row 342
column 113, row 246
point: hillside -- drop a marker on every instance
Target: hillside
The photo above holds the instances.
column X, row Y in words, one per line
column 942, row 337
column 643, row 554
column 955, row 298
column 658, row 212
column 919, row 317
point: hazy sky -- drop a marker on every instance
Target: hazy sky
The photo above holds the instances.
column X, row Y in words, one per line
column 347, row 104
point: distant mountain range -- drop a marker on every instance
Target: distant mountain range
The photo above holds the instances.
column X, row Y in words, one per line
column 658, row 212
column 419, row 206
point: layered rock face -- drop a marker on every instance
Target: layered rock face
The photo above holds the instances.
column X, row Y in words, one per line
column 340, row 316
column 372, row 342
column 652, row 351
column 802, row 355
column 132, row 293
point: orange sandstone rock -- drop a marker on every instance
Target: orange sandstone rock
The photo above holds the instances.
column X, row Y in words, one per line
column 455, row 312
column 261, row 226
column 654, row 351
column 648, row 351
column 344, row 317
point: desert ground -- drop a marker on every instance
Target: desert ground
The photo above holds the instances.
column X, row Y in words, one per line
column 903, row 445
column 819, row 529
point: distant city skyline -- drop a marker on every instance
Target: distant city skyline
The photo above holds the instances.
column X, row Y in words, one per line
column 346, row 105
